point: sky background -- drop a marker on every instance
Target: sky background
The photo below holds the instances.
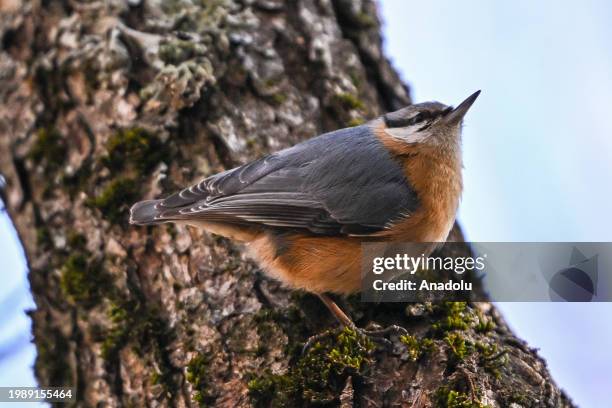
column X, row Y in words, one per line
column 537, row 144
column 537, row 155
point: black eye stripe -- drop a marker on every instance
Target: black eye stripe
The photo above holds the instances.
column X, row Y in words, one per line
column 394, row 122
column 402, row 122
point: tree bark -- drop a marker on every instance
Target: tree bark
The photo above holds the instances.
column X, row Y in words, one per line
column 105, row 103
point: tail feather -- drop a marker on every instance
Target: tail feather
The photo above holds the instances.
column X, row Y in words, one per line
column 145, row 213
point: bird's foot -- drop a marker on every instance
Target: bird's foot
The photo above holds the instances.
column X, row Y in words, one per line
column 312, row 340
column 379, row 334
column 376, row 335
column 382, row 332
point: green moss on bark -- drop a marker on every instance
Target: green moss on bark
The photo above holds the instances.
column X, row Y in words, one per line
column 176, row 51
column 455, row 316
column 134, row 148
column 49, row 149
column 417, row 348
column 319, row 374
column 349, row 101
column 449, row 398
column 82, row 279
column 114, row 200
column 142, row 328
column 492, row 358
column 116, row 337
column 198, row 376
column 131, row 155
column 484, row 324
column 459, row 347
column 355, row 122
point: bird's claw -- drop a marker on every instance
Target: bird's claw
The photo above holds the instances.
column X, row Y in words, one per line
column 312, row 340
column 380, row 335
column 377, row 335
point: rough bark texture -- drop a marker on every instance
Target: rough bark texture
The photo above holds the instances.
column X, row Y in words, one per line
column 103, row 103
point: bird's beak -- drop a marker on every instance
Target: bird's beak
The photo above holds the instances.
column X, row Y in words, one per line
column 456, row 115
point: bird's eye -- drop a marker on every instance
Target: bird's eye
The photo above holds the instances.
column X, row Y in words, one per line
column 418, row 118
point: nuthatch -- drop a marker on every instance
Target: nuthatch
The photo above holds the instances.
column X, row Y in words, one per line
column 304, row 211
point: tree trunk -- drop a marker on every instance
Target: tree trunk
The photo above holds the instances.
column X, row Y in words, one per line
column 104, row 103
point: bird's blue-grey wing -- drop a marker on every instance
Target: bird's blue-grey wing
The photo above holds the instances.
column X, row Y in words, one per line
column 340, row 183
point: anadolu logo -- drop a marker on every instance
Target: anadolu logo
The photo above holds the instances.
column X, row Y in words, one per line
column 577, row 282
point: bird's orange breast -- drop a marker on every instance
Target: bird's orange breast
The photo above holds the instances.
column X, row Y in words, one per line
column 435, row 175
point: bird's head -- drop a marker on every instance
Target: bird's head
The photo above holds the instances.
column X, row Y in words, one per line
column 430, row 123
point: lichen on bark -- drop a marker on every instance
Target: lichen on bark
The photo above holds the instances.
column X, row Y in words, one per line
column 102, row 103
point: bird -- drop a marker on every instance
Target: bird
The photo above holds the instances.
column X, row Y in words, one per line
column 303, row 212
